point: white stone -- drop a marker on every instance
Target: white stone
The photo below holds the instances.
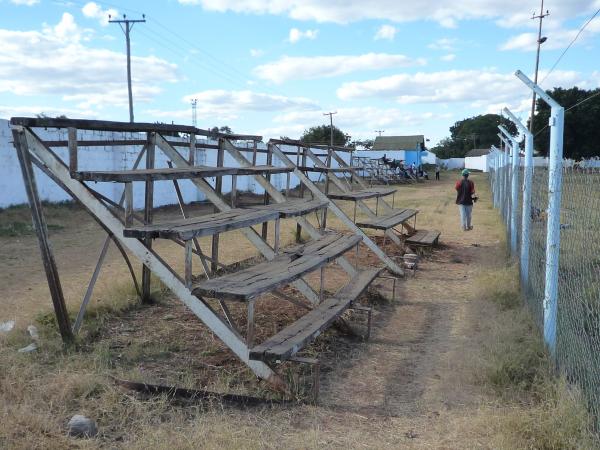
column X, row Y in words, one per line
column 81, row 426
column 30, row 348
column 33, row 332
column 5, row 327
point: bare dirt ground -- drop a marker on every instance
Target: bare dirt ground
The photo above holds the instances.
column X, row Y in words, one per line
column 414, row 384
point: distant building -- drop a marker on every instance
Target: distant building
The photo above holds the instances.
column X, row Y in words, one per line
column 407, row 148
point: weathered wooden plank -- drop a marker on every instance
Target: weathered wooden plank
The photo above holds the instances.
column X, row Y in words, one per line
column 424, row 238
column 206, row 225
column 388, row 221
column 326, row 169
column 293, row 208
column 123, row 176
column 293, row 338
column 359, row 195
column 282, row 270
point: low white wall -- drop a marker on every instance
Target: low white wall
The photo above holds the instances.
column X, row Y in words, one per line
column 477, row 163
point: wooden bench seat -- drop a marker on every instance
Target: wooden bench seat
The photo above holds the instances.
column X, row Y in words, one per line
column 178, row 173
column 423, row 238
column 290, row 265
column 293, row 208
column 388, row 221
column 326, row 169
column 362, row 194
column 292, row 339
column 206, row 225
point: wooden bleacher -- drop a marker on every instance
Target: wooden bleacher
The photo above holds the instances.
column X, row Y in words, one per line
column 134, row 233
column 398, row 217
column 290, row 265
column 205, row 225
column 293, row 338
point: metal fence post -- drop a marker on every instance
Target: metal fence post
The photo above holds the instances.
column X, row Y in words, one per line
column 557, row 119
column 514, row 189
column 527, row 185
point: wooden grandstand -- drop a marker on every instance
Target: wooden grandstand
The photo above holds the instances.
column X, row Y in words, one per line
column 133, row 231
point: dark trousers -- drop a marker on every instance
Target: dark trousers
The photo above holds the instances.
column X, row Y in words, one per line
column 437, row 175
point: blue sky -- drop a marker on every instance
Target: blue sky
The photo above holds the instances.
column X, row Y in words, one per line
column 273, row 67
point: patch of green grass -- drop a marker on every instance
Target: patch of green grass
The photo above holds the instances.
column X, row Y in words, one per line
column 18, row 228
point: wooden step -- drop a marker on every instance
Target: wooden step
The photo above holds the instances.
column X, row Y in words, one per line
column 423, row 238
column 296, row 336
column 206, row 225
column 124, row 176
column 388, row 221
column 280, row 271
column 293, row 208
column 362, row 194
column 320, row 169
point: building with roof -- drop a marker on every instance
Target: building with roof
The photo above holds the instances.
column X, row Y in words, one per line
column 406, row 148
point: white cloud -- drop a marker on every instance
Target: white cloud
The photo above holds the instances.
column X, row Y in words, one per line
column 448, row 57
column 386, row 32
column 58, row 63
column 256, row 52
column 25, row 2
column 359, row 122
column 51, row 111
column 478, row 88
column 94, row 11
column 306, row 68
column 296, row 34
column 447, row 44
column 445, row 12
column 223, row 105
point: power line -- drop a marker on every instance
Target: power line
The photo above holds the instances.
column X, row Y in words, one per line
column 572, row 42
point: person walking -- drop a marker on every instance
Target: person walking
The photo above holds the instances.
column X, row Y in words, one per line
column 437, row 172
column 465, row 196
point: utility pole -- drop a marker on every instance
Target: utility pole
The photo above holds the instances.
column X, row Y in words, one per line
column 540, row 41
column 379, row 131
column 194, row 112
column 330, row 114
column 127, row 25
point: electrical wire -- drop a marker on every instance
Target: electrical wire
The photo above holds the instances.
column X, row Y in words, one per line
column 570, row 44
column 595, row 94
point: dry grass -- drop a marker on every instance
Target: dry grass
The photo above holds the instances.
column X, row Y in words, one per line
column 455, row 364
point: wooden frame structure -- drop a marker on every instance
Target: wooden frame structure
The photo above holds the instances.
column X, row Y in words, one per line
column 384, row 217
column 134, row 233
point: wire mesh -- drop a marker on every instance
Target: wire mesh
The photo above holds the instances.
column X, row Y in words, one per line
column 578, row 323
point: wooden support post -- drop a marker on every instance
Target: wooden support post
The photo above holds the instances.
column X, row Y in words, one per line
column 322, row 284
column 328, row 164
column 287, row 186
column 39, row 223
column 128, row 192
column 298, row 226
column 233, row 195
column 254, row 151
column 250, row 324
column 265, row 226
column 192, row 155
column 218, row 189
column 377, row 206
column 148, row 215
column 277, row 231
column 354, row 212
column 72, row 150
column 188, row 263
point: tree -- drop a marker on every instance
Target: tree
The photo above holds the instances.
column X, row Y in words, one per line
column 321, row 135
column 582, row 133
column 366, row 144
column 214, row 131
column 473, row 132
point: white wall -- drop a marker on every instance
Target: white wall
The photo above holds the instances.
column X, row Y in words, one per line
column 477, row 163
column 12, row 189
column 452, row 163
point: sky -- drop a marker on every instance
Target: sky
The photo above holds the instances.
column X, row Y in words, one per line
column 274, row 67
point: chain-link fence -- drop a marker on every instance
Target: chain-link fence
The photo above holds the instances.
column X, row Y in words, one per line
column 577, row 354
